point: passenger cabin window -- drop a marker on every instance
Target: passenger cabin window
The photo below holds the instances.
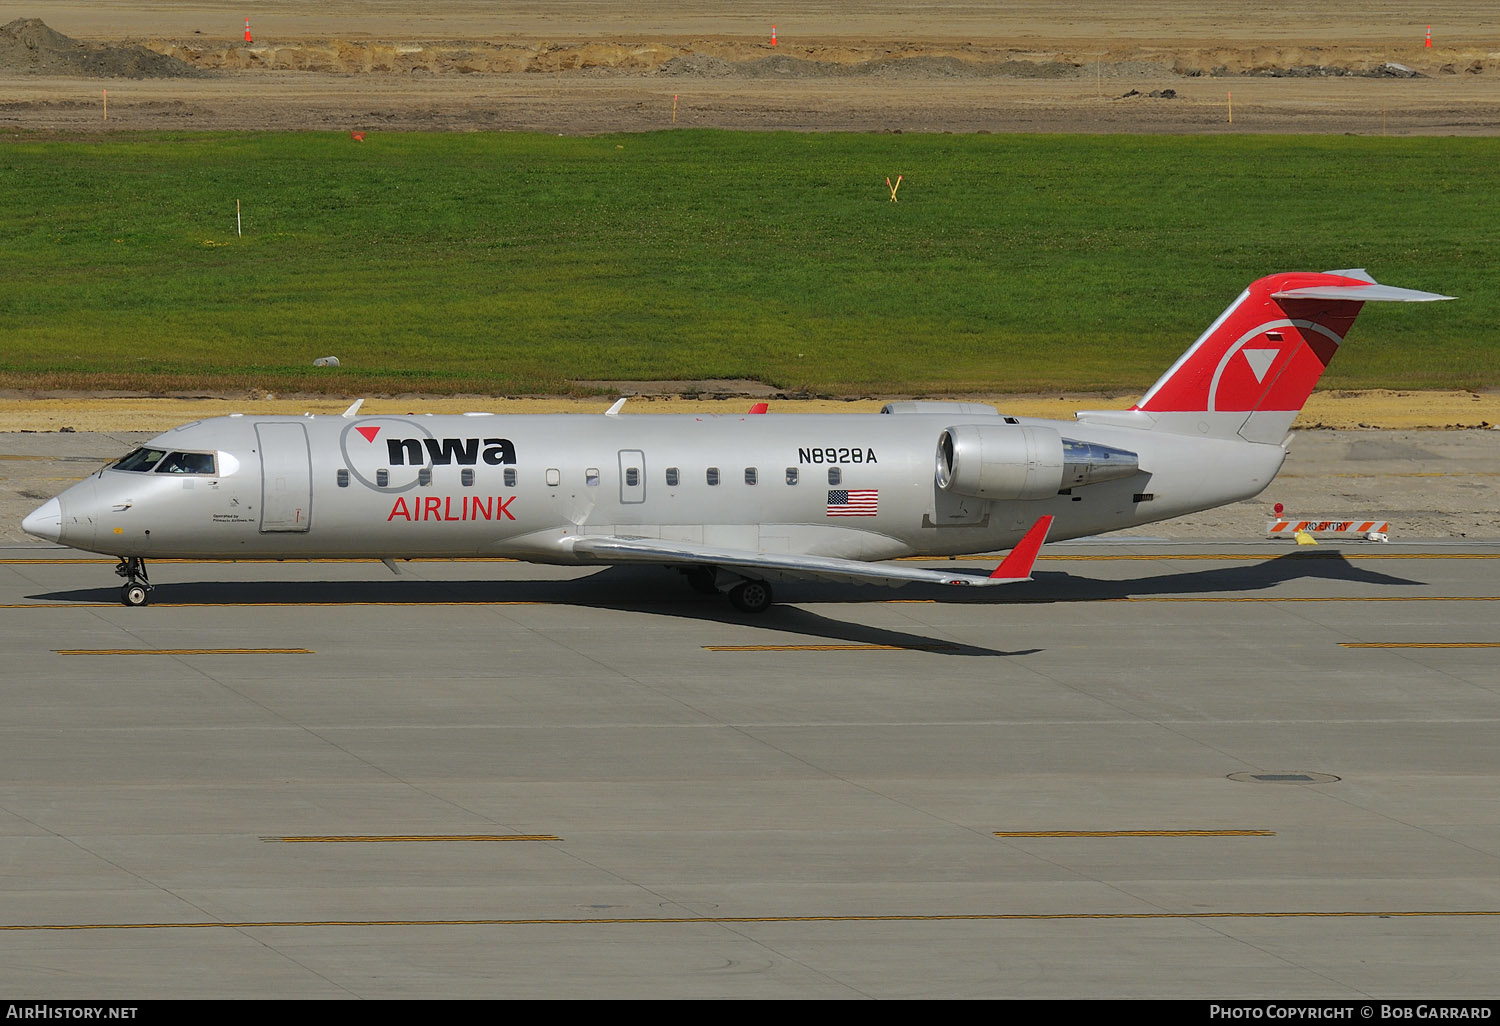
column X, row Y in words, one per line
column 510, row 477
column 750, row 475
column 424, row 476
column 140, row 460
column 713, row 475
column 672, row 477
column 554, row 476
column 632, row 477
column 467, row 477
column 835, row 475
column 591, row 477
column 343, row 478
column 382, row 478
column 791, row 475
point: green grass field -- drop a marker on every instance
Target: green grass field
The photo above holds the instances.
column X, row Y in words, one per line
column 511, row 263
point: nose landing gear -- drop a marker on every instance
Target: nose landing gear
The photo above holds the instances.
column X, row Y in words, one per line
column 137, row 589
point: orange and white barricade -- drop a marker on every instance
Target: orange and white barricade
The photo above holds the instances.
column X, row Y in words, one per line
column 1370, row 530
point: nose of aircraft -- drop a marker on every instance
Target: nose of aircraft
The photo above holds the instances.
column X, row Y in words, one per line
column 45, row 521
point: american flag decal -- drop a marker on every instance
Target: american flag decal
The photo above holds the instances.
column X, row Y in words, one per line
column 853, row 502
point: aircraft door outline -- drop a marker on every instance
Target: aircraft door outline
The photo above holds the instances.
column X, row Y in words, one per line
column 285, row 478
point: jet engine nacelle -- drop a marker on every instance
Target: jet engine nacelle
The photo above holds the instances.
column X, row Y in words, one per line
column 1001, row 462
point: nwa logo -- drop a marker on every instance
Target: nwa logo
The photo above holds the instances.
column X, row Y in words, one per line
column 1277, row 363
column 444, row 451
column 387, row 453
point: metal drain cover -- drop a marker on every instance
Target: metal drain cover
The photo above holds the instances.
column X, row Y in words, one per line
column 1285, row 778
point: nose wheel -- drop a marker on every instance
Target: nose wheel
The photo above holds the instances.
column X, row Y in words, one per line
column 137, row 589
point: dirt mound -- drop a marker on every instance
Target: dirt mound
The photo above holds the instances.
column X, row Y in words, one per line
column 28, row 46
column 731, row 58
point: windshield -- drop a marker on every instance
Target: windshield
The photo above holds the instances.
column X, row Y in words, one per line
column 186, row 463
column 163, row 462
column 141, row 459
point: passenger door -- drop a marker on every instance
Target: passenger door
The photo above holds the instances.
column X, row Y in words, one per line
column 285, row 478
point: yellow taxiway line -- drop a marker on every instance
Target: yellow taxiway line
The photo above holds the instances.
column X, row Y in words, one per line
column 745, row 920
column 1135, row 833
column 1419, row 644
column 932, row 647
column 183, row 651
column 385, row 839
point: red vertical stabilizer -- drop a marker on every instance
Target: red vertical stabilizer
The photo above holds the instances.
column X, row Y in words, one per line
column 1261, row 359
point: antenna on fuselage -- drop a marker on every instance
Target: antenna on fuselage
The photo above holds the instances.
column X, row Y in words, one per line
column 353, row 409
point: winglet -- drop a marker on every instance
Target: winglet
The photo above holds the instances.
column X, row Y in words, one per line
column 1017, row 566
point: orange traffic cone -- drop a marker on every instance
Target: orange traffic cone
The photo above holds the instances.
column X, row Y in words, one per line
column 773, row 35
column 1429, row 36
column 357, row 136
column 247, row 31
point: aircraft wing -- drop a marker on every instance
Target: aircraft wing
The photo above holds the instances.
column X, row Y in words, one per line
column 1014, row 568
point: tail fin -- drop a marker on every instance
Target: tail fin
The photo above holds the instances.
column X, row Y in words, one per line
column 1255, row 366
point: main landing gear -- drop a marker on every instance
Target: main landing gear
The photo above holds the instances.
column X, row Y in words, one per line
column 751, row 596
column 137, row 589
column 701, row 579
column 745, row 594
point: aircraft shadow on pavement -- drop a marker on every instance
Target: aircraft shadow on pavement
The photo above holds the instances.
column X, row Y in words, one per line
column 662, row 592
column 633, row 589
column 627, row 587
column 1231, row 580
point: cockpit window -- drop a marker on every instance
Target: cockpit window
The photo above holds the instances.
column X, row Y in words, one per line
column 140, row 460
column 186, row 463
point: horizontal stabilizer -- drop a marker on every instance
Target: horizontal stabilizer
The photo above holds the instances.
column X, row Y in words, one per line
column 1360, row 294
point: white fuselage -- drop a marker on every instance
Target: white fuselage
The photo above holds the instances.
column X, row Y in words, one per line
column 528, row 486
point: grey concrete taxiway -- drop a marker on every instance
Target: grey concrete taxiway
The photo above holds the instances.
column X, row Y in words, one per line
column 1161, row 769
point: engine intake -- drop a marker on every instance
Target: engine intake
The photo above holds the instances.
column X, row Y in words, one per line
column 1010, row 461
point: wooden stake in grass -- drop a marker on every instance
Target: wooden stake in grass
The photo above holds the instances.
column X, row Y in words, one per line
column 1231, row 108
column 891, row 187
column 106, row 105
column 674, row 108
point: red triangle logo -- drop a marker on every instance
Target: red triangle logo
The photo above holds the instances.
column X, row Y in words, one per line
column 369, row 432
